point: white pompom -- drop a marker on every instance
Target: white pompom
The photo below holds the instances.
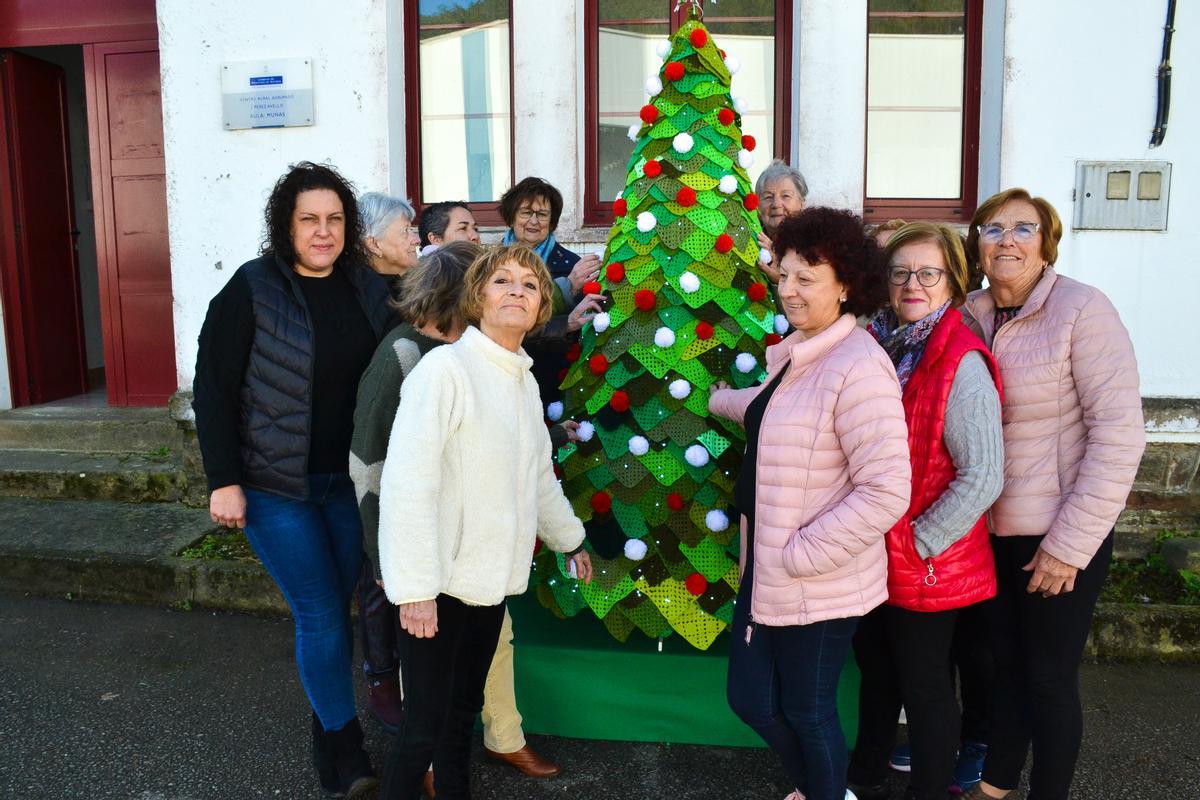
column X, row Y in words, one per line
column 765, row 256
column 664, row 337
column 733, row 64
column 739, row 105
column 683, row 143
column 680, row 389
column 728, row 184
column 601, row 321
column 634, row 130
column 716, row 520
column 745, row 362
column 554, row 411
column 635, row 549
column 689, row 282
column 620, row 194
column 696, row 455
column 586, row 431
column 653, row 85
column 745, row 159
column 663, row 48
column 646, row 222
column 639, row 445
column 781, row 324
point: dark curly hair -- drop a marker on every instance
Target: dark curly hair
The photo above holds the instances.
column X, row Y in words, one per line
column 303, row 177
column 528, row 190
column 836, row 237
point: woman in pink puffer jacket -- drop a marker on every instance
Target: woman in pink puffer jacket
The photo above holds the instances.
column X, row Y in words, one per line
column 1073, row 438
column 826, row 474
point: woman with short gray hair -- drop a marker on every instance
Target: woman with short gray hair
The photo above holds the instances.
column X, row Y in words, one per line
column 781, row 191
column 388, row 236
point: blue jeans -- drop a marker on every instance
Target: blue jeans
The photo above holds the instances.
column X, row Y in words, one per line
column 783, row 684
column 313, row 550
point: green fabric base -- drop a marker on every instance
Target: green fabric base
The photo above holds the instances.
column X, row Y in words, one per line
column 574, row 680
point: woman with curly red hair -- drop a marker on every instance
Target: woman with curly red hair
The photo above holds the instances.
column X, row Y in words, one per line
column 825, row 475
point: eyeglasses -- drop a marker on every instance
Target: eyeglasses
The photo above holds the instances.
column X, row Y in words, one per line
column 1021, row 232
column 524, row 214
column 926, row 276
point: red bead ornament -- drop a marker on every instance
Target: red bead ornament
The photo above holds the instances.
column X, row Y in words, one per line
column 724, row 243
column 757, row 292
column 601, row 503
column 598, row 364
column 674, row 70
column 772, row 338
column 686, row 196
column 696, row 584
column 615, row 272
column 592, row 287
column 619, row 402
column 725, row 116
column 751, row 202
column 620, row 207
column 573, row 352
column 652, row 169
column 675, row 501
column 645, row 300
column 749, row 142
column 704, row 330
column 648, row 114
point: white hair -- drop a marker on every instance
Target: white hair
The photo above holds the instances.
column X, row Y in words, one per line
column 379, row 211
column 777, row 170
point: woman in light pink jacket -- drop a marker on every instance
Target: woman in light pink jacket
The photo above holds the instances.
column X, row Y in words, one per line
column 1073, row 438
column 826, row 474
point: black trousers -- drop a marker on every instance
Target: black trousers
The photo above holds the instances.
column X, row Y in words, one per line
column 972, row 654
column 904, row 657
column 378, row 624
column 1037, row 643
column 443, row 692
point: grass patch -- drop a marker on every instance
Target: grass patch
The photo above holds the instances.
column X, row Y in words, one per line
column 1150, row 580
column 231, row 546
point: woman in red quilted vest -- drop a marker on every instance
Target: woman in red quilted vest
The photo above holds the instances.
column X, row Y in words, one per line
column 939, row 557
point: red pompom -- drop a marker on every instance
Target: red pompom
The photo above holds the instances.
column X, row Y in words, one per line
column 601, row 503
column 772, row 338
column 724, row 243
column 652, row 169
column 686, row 196
column 598, row 364
column 615, row 272
column 562, row 374
column 573, row 352
column 620, row 207
column 725, row 116
column 592, row 287
column 698, row 38
column 619, row 402
column 757, row 292
column 645, row 300
column 751, row 202
column 537, row 546
column 675, row 501
column 748, row 142
column 722, row 52
column 648, row 114
column 696, row 584
column 674, row 70
column 704, row 330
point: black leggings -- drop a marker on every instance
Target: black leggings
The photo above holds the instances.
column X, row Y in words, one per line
column 1037, row 643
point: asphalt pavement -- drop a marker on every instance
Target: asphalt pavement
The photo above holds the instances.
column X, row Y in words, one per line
column 138, row 703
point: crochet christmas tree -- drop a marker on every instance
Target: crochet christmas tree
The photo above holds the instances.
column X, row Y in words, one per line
column 652, row 477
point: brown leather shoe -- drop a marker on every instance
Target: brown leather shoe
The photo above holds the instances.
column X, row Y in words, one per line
column 427, row 783
column 527, row 761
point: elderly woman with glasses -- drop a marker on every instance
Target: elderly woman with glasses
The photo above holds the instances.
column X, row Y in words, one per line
column 781, row 191
column 939, row 557
column 1073, row 439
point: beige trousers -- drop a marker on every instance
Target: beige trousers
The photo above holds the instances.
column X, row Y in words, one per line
column 501, row 721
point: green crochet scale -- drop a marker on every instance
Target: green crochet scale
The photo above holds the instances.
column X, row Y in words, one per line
column 653, row 481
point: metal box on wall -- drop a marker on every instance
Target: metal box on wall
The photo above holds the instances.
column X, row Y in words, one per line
column 1122, row 195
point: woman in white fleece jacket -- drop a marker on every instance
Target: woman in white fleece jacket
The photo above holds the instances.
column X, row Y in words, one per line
column 467, row 486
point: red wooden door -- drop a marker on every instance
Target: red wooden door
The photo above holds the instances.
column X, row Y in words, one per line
column 42, row 314
column 129, row 184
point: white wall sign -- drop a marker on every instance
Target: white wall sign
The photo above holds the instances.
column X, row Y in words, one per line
column 267, row 94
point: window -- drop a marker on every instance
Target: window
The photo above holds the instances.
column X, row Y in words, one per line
column 460, row 120
column 619, row 53
column 923, row 63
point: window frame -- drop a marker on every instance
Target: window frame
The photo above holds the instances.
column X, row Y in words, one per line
column 958, row 209
column 486, row 214
column 597, row 211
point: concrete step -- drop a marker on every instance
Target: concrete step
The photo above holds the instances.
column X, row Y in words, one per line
column 88, row 430
column 1149, row 512
column 57, row 475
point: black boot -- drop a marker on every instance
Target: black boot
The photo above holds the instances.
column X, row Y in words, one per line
column 323, row 757
column 355, row 778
